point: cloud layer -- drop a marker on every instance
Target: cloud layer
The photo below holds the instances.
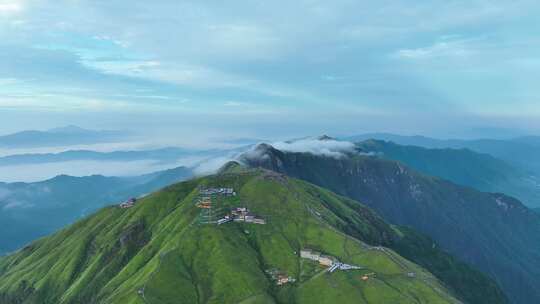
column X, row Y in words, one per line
column 392, row 63
column 329, row 148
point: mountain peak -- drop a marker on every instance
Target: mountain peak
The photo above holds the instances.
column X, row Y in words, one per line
column 325, row 137
column 68, row 129
column 263, row 147
column 262, row 152
column 231, row 167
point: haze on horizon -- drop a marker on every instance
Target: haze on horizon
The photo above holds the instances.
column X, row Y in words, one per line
column 192, row 69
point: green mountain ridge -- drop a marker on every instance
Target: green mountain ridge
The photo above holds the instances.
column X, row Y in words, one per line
column 159, row 252
column 491, row 231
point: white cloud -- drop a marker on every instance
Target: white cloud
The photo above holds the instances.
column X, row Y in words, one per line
column 235, row 104
column 124, row 67
column 121, row 43
column 314, row 55
column 55, row 102
column 213, row 164
column 8, row 81
column 254, row 154
column 12, row 204
column 329, row 148
column 170, row 72
column 8, row 202
column 330, row 77
column 249, row 39
column 449, row 48
column 8, row 7
column 210, row 166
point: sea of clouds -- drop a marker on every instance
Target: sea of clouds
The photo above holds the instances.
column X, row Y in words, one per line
column 200, row 165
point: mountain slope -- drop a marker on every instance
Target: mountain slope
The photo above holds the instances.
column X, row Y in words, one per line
column 159, row 252
column 32, row 210
column 521, row 152
column 494, row 232
column 464, row 167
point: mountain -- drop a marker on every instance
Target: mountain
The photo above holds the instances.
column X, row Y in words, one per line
column 32, row 210
column 494, row 232
column 521, row 152
column 530, row 140
column 414, row 140
column 464, row 167
column 70, row 135
column 163, row 155
column 168, row 154
column 160, row 251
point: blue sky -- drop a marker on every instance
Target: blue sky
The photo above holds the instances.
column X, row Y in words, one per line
column 272, row 69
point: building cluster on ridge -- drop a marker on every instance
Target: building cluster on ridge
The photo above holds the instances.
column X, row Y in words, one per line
column 213, row 213
column 207, row 200
column 241, row 214
column 217, row 191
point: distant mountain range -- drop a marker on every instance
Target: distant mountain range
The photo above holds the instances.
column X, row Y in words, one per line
column 65, row 136
column 32, row 210
column 167, row 250
column 463, row 166
column 494, row 232
column 164, row 155
column 521, row 152
column 32, row 167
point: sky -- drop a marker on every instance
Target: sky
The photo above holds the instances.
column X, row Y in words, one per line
column 271, row 69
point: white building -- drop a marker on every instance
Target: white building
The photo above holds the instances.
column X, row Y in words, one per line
column 309, row 254
column 326, row 260
column 259, row 221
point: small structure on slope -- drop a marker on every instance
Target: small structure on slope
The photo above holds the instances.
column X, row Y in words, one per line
column 129, row 203
column 309, row 254
column 204, row 203
column 342, row 266
column 281, row 278
column 224, row 220
column 367, row 276
column 207, row 214
column 325, row 260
